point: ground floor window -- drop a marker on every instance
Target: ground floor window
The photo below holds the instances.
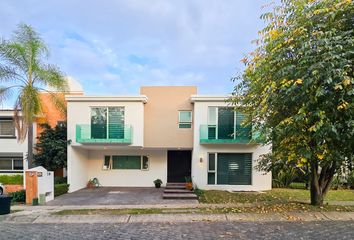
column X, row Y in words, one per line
column 11, row 164
column 126, row 162
column 230, row 168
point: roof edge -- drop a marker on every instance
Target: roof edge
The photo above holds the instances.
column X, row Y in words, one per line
column 84, row 98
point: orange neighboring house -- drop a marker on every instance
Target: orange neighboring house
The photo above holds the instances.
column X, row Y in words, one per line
column 51, row 115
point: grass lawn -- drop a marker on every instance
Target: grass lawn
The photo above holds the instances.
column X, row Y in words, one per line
column 274, row 195
column 273, row 208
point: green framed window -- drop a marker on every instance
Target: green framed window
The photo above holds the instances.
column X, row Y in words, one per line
column 211, row 168
column 127, row 162
column 230, row 168
column 184, row 119
column 107, row 122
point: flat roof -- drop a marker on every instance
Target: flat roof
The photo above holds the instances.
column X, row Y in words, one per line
column 84, row 98
column 209, row 98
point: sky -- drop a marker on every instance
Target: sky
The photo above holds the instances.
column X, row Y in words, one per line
column 113, row 47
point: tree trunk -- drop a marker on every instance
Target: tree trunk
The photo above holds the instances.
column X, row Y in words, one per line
column 320, row 181
column 30, row 145
column 316, row 196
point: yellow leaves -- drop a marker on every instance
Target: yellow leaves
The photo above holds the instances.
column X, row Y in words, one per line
column 343, row 105
column 286, row 83
column 320, row 156
column 298, row 81
column 287, row 121
column 338, row 87
column 273, row 34
column 302, row 162
column 346, row 81
column 312, row 128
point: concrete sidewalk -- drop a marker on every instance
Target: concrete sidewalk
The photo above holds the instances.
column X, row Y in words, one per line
column 46, row 216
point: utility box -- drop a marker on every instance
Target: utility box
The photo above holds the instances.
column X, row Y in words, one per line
column 39, row 185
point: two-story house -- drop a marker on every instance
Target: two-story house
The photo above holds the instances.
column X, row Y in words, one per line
column 165, row 132
column 12, row 152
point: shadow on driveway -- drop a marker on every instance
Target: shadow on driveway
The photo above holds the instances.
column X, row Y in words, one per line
column 116, row 196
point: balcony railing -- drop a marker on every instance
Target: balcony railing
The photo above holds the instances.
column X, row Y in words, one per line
column 225, row 134
column 102, row 133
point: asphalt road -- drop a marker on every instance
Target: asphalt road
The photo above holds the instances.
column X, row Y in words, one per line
column 194, row 230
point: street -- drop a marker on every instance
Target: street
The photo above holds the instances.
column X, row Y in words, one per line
column 194, row 230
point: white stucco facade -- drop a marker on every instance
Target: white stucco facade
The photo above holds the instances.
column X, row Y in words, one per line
column 259, row 180
column 86, row 160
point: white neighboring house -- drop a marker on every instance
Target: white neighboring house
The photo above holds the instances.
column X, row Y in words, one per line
column 12, row 153
column 165, row 132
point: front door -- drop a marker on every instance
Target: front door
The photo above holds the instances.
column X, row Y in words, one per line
column 178, row 165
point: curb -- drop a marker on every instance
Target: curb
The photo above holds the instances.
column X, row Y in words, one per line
column 178, row 218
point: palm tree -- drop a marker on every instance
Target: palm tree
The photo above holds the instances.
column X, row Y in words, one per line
column 23, row 72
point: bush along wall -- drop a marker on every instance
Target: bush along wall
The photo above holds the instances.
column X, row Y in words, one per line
column 18, row 197
column 60, row 189
column 16, row 179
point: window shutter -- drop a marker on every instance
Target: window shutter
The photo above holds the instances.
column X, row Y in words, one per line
column 116, row 122
column 234, row 168
column 242, row 132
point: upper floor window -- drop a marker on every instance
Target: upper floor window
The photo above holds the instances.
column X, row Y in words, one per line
column 184, row 119
column 225, row 123
column 7, row 128
column 107, row 122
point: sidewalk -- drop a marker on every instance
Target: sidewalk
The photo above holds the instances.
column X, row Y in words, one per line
column 46, row 216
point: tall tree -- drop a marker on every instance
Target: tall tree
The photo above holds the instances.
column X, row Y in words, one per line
column 52, row 147
column 298, row 87
column 24, row 72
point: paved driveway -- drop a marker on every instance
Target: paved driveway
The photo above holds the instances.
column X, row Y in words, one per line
column 116, row 196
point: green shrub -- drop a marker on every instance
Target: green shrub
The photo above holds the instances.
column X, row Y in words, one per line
column 350, row 180
column 297, row 185
column 60, row 180
column 60, row 189
column 11, row 179
column 338, row 182
column 19, row 196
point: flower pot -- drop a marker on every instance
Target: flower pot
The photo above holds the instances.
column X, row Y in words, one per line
column 5, row 204
column 157, row 185
column 189, row 185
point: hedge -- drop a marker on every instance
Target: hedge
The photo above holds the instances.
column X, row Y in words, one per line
column 60, row 180
column 19, row 196
column 11, row 179
column 60, row 189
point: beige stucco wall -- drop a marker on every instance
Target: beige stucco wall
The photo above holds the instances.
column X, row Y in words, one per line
column 161, row 116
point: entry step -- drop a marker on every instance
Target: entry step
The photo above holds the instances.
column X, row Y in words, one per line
column 176, row 186
column 179, row 196
column 184, row 191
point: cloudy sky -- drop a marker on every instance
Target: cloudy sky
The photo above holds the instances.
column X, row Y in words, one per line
column 116, row 46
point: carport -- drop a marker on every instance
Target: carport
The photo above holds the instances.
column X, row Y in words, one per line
column 116, row 196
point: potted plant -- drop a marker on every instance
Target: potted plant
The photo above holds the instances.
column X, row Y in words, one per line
column 158, row 183
column 90, row 184
column 189, row 184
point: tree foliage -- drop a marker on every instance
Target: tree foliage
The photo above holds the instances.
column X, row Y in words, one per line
column 24, row 73
column 52, row 147
column 298, row 87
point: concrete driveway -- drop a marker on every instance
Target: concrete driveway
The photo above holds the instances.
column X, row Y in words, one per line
column 116, row 196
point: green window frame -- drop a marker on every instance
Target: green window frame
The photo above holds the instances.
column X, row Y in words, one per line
column 229, row 169
column 107, row 122
column 184, row 119
column 211, row 168
column 126, row 162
